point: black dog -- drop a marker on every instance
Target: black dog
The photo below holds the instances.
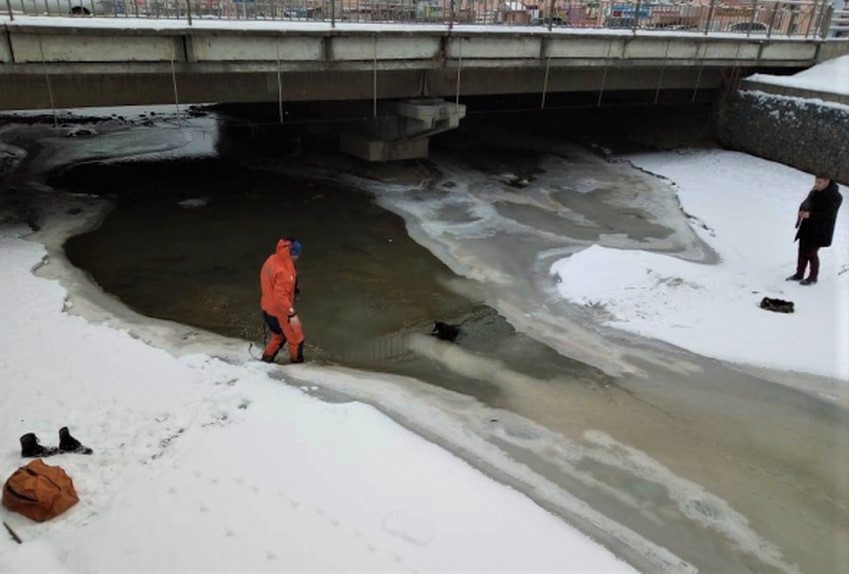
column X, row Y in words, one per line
column 445, row 331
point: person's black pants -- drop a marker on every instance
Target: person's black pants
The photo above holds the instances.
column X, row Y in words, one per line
column 808, row 254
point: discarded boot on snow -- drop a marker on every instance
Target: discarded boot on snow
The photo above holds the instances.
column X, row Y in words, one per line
column 31, row 447
column 69, row 444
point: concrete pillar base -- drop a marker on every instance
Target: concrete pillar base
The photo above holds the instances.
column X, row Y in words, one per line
column 371, row 150
column 403, row 130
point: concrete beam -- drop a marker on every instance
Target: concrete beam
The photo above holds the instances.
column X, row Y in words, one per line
column 77, row 90
column 493, row 47
column 230, row 48
column 78, row 48
column 382, row 48
column 772, row 52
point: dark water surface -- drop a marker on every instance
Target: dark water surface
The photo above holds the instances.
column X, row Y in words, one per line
column 360, row 275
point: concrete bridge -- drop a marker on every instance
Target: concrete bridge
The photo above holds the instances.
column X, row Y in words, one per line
column 66, row 62
column 423, row 70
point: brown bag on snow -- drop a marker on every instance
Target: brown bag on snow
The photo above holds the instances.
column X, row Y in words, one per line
column 39, row 491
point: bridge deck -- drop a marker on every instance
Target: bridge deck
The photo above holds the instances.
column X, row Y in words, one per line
column 94, row 61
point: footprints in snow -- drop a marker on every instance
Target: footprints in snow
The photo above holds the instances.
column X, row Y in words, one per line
column 401, row 525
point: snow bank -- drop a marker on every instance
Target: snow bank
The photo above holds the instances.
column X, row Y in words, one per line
column 746, row 209
column 204, row 465
column 831, row 76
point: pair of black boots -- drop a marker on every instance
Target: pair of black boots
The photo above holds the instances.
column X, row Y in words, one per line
column 32, row 448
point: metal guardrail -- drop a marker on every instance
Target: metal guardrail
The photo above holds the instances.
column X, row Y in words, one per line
column 839, row 27
column 805, row 18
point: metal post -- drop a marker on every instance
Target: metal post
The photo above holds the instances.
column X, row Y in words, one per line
column 772, row 20
column 9, row 8
column 637, row 16
column 189, row 10
column 550, row 15
column 710, row 16
column 811, row 19
column 752, row 19
column 332, row 13
column 451, row 16
column 827, row 16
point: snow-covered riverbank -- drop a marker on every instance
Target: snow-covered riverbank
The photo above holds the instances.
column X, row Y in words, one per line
column 200, row 464
column 744, row 208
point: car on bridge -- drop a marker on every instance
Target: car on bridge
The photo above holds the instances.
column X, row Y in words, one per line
column 750, row 27
column 67, row 7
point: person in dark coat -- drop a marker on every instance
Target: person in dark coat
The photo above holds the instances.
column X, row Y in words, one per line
column 815, row 224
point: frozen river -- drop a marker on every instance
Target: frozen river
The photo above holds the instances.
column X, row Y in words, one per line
column 674, row 461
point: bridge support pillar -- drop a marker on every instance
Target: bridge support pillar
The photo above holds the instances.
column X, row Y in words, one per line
column 402, row 130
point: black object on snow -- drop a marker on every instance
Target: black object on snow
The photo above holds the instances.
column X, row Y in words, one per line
column 32, row 448
column 67, row 443
column 777, row 305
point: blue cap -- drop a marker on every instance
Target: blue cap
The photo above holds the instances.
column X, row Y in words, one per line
column 295, row 248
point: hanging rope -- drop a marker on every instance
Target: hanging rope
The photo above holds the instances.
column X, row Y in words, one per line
column 49, row 87
column 604, row 75
column 174, row 83
column 545, row 82
column 375, row 78
column 662, row 71
column 699, row 76
column 459, row 70
column 279, row 85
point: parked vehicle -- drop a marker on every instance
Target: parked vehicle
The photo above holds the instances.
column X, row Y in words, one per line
column 64, row 7
column 753, row 27
column 620, row 22
column 556, row 21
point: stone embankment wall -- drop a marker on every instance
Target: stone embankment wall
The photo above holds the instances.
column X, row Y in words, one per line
column 807, row 133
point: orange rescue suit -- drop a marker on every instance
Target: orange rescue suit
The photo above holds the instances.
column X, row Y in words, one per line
column 277, row 280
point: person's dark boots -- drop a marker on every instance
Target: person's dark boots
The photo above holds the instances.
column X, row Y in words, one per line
column 268, row 358
column 795, row 277
column 300, row 357
column 31, row 448
column 807, row 281
column 67, row 443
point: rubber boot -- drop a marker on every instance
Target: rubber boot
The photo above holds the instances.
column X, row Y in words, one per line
column 31, row 447
column 69, row 444
column 299, row 358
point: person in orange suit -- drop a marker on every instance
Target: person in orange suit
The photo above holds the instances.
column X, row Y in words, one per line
column 278, row 279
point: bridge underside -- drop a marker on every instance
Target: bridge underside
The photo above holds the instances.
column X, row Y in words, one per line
column 33, row 89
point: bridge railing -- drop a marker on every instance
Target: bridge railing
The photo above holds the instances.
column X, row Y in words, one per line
column 839, row 27
column 806, row 18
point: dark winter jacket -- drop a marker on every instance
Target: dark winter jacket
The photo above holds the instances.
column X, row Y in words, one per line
column 818, row 229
